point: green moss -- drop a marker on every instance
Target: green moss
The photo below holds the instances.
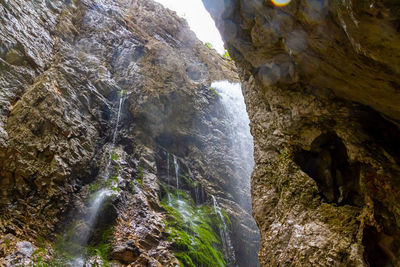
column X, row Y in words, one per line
column 193, row 231
column 184, row 259
column 226, row 216
column 190, row 181
column 214, row 92
column 39, row 262
column 284, row 154
column 114, row 156
column 140, row 172
column 7, row 242
column 65, row 250
column 103, row 247
column 94, row 187
column 112, row 181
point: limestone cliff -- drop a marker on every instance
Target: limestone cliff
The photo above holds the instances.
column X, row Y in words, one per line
column 106, row 105
column 321, row 84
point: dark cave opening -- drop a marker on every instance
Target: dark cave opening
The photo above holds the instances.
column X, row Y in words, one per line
column 327, row 163
column 377, row 251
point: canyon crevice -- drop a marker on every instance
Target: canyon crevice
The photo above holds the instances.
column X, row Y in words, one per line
column 321, row 85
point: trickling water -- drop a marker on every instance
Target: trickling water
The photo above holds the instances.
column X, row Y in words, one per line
column 100, row 196
column 229, row 251
column 168, row 167
column 121, row 102
column 176, row 165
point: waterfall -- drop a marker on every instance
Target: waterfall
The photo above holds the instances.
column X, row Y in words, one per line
column 89, row 220
column 168, row 167
column 229, row 251
column 121, row 102
column 241, row 140
column 176, row 165
column 240, row 150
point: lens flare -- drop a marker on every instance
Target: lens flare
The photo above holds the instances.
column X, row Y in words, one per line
column 280, row 2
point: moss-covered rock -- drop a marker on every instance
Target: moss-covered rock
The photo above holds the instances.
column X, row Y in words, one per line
column 193, row 231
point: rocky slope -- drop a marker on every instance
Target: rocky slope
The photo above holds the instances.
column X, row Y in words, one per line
column 113, row 94
column 321, row 84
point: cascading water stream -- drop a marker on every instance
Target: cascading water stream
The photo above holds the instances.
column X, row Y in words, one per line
column 89, row 220
column 168, row 167
column 121, row 102
column 241, row 152
column 225, row 237
column 176, row 165
column 241, row 140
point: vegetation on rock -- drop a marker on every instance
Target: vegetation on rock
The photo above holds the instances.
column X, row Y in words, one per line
column 193, row 231
column 209, row 45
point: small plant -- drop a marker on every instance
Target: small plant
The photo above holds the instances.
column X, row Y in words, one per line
column 116, row 188
column 209, row 45
column 140, row 172
column 140, row 181
column 39, row 262
column 114, row 156
column 112, row 181
column 7, row 242
column 284, row 154
column 214, row 92
column 41, row 250
column 94, row 187
column 103, row 247
column 226, row 55
column 42, row 245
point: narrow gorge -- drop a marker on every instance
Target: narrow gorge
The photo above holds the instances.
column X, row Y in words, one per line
column 126, row 141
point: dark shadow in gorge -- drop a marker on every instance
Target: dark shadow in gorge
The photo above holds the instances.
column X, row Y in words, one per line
column 380, row 131
column 327, row 163
column 378, row 248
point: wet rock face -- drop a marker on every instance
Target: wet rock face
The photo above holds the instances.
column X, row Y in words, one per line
column 65, row 65
column 320, row 83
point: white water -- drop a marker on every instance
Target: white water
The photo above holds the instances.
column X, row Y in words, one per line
column 100, row 196
column 241, row 151
column 168, row 167
column 90, row 218
column 176, row 165
column 121, row 102
column 240, row 138
column 229, row 251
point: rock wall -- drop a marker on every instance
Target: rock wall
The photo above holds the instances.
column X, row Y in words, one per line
column 65, row 65
column 321, row 84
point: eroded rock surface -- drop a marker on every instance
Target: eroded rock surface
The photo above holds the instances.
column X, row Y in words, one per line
column 65, row 65
column 321, row 87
